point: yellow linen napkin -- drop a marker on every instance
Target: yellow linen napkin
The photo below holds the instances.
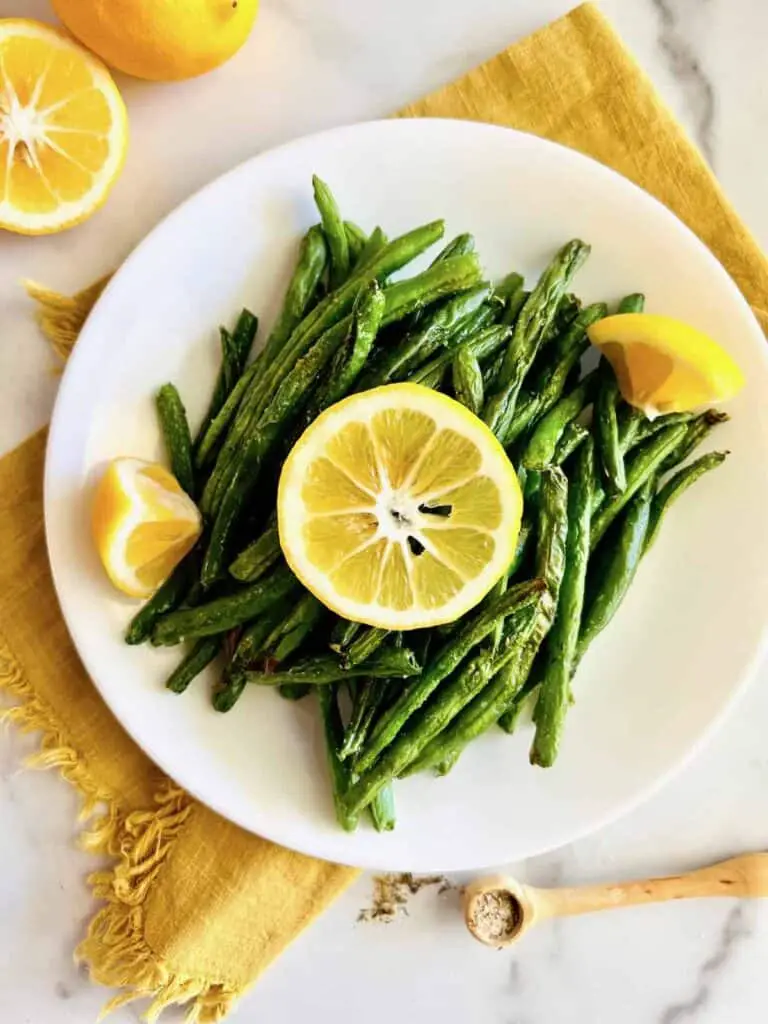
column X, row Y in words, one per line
column 194, row 908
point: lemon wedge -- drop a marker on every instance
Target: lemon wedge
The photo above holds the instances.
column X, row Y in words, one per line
column 143, row 524
column 398, row 508
column 63, row 129
column 664, row 365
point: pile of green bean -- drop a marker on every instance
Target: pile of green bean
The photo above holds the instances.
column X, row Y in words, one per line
column 597, row 477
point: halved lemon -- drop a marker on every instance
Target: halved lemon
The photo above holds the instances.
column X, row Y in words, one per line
column 664, row 365
column 398, row 508
column 143, row 524
column 63, row 129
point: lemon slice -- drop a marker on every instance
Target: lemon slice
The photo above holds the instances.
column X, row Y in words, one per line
column 63, row 129
column 398, row 508
column 143, row 525
column 664, row 365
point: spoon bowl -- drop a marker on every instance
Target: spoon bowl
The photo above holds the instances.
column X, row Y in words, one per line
column 497, row 910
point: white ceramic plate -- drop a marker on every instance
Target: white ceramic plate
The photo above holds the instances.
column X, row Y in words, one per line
column 655, row 683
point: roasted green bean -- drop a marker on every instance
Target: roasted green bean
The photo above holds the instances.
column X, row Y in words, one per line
column 335, row 233
column 607, row 426
column 387, row 663
column 677, row 485
column 201, row 655
column 178, row 440
column 642, row 467
column 563, row 637
column 472, row 632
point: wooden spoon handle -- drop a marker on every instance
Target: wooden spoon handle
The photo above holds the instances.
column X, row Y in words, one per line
column 740, row 876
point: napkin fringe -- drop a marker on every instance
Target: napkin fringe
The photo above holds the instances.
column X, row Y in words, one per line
column 115, row 948
column 32, row 715
column 61, row 317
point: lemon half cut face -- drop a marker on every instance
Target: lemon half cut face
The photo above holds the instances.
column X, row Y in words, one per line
column 63, row 129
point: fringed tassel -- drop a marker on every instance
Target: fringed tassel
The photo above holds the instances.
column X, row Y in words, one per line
column 61, row 317
column 115, row 950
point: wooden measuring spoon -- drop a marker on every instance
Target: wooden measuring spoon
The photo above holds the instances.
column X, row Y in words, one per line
column 498, row 910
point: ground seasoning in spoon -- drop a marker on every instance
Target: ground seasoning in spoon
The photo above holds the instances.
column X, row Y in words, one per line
column 495, row 916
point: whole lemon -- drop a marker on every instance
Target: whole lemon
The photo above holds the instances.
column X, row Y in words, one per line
column 160, row 39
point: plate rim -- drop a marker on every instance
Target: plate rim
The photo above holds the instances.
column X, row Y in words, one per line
column 324, row 848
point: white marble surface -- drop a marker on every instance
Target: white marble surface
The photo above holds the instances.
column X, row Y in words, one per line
column 308, row 66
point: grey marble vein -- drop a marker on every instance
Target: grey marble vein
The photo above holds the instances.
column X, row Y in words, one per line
column 734, row 930
column 62, row 990
column 676, row 45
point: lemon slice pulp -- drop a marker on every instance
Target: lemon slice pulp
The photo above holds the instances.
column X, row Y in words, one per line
column 398, row 508
column 63, row 129
column 664, row 365
column 143, row 524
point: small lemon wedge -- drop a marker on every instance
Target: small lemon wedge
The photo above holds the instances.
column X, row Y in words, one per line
column 398, row 508
column 143, row 524
column 63, row 129
column 664, row 365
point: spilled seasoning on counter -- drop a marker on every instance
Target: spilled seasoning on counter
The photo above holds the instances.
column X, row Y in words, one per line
column 391, row 894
